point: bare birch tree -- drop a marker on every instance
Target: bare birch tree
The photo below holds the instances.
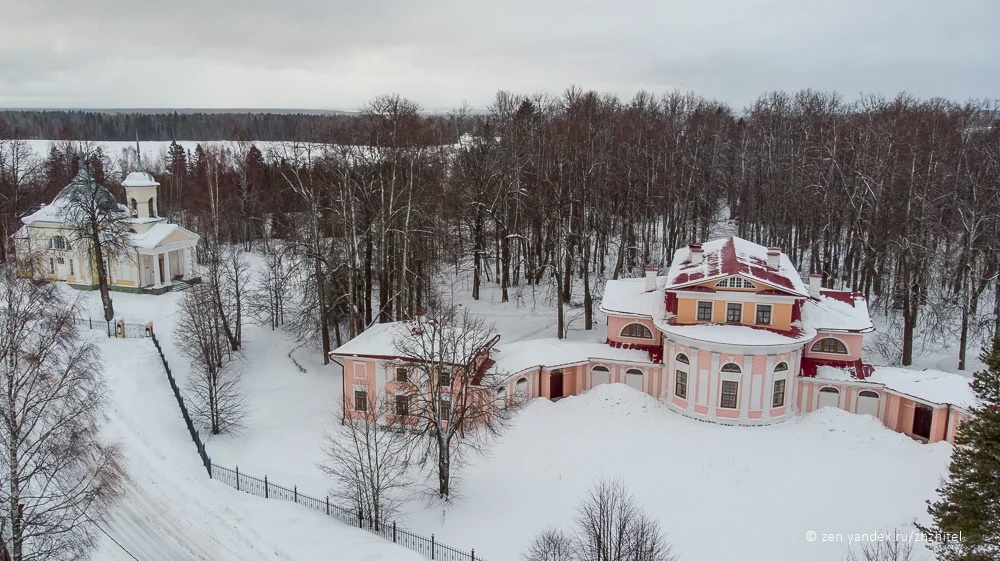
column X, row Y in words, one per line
column 57, row 477
column 217, row 399
column 367, row 458
column 451, row 389
column 98, row 221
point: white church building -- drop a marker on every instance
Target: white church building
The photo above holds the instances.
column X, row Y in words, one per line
column 162, row 253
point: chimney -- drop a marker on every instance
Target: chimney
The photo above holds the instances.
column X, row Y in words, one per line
column 815, row 284
column 695, row 253
column 773, row 258
column 651, row 278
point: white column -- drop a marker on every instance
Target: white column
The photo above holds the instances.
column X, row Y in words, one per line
column 767, row 393
column 166, row 269
column 694, row 377
column 713, row 388
column 185, row 261
column 156, row 271
column 746, row 381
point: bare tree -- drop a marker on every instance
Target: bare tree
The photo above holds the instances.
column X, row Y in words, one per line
column 98, row 221
column 269, row 299
column 226, row 275
column 552, row 544
column 367, row 458
column 58, row 477
column 612, row 526
column 450, row 388
column 218, row 400
column 894, row 545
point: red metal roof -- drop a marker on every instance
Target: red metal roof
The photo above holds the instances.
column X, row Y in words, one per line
column 727, row 262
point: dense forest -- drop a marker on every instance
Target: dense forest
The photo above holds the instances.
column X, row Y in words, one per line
column 897, row 198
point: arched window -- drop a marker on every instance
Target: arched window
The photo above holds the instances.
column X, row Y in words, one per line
column 637, row 330
column 734, row 282
column 829, row 345
column 133, row 209
column 730, row 367
column 683, row 359
column 152, row 208
column 828, row 389
column 601, row 369
column 521, row 387
column 635, row 371
column 868, row 393
column 633, row 378
column 781, row 367
column 60, row 243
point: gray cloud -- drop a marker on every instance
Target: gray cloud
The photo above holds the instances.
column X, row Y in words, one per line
column 335, row 54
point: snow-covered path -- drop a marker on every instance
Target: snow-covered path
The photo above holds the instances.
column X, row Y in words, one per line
column 171, row 510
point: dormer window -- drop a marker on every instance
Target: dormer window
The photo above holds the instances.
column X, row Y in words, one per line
column 637, row 331
column 734, row 282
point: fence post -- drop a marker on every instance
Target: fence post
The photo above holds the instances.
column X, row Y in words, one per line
column 473, row 554
column 209, row 466
column 432, row 547
column 237, row 478
column 296, row 489
column 265, row 488
column 393, row 531
column 328, row 505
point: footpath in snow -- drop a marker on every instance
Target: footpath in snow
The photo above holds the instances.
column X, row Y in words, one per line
column 171, row 510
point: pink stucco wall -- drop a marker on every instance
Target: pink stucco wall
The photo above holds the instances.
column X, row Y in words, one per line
column 853, row 342
column 617, row 323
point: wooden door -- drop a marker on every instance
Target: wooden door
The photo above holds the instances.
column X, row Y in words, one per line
column 922, row 416
column 555, row 385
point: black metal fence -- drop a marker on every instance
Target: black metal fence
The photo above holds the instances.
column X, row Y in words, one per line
column 119, row 329
column 429, row 547
column 205, row 460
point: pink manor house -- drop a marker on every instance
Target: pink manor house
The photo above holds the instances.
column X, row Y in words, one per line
column 731, row 334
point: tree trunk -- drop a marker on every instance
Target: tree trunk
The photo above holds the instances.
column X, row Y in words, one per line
column 444, row 468
column 102, row 278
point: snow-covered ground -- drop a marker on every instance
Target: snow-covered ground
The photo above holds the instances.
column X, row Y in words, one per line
column 720, row 492
column 172, row 510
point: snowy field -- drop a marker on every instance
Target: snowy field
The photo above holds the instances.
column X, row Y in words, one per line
column 721, row 493
column 172, row 510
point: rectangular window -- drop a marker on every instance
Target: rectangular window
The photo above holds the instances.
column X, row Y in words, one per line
column 763, row 314
column 360, row 400
column 729, row 390
column 402, row 406
column 402, row 375
column 444, row 379
column 52, row 266
column 71, row 273
column 734, row 312
column 681, row 385
column 778, row 398
column 704, row 311
column 444, row 411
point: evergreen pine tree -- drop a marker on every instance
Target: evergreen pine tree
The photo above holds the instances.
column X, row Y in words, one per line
column 969, row 503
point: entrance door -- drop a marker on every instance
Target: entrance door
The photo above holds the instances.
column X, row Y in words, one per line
column 601, row 375
column 922, row 415
column 633, row 378
column 555, row 385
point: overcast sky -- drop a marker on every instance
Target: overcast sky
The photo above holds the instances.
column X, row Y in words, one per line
column 333, row 54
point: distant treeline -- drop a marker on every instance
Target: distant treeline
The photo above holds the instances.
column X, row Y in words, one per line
column 103, row 126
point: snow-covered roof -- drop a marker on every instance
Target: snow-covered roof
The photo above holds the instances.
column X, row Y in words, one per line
column 827, row 372
column 139, row 179
column 156, row 233
column 733, row 256
column 737, row 334
column 837, row 311
column 377, row 340
column 929, row 385
column 629, row 296
column 522, row 355
column 380, row 340
column 55, row 212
